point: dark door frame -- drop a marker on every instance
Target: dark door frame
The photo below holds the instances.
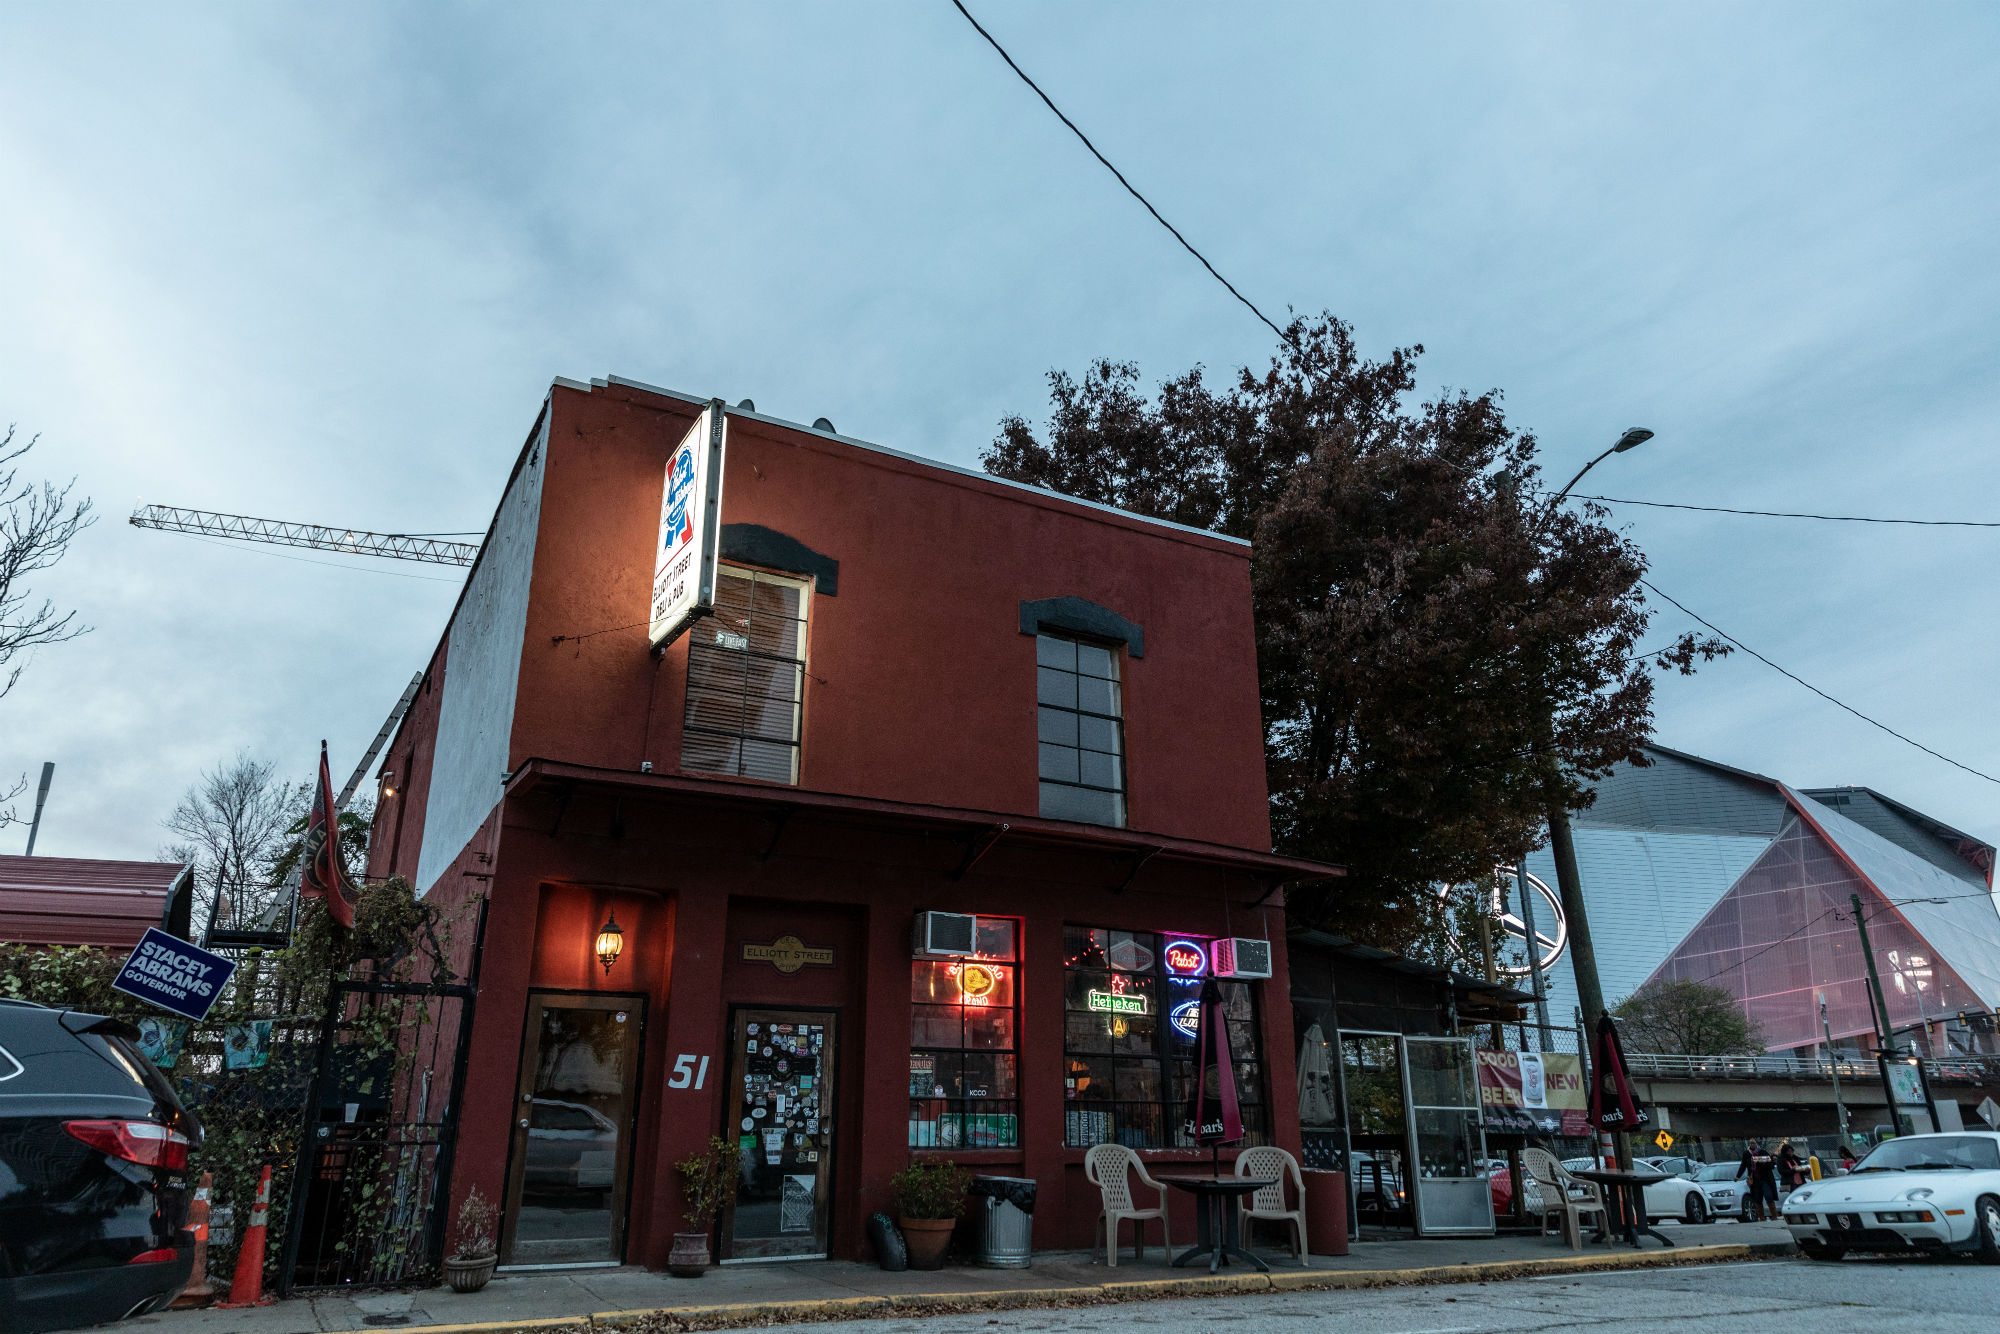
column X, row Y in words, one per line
column 621, row 1184
column 732, row 1113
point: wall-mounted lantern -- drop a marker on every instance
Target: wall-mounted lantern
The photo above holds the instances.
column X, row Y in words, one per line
column 610, row 942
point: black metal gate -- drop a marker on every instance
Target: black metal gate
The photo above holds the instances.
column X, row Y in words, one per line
column 372, row 1185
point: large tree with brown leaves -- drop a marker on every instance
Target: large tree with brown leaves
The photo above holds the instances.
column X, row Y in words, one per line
column 1442, row 653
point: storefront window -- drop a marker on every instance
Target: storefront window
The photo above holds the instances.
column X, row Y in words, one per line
column 963, row 1016
column 1132, row 1009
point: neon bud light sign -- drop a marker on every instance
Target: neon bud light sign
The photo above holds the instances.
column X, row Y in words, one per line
column 1186, row 1019
column 1186, row 959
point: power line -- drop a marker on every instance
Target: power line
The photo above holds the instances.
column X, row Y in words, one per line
column 1129, row 188
column 1784, row 514
column 1817, row 691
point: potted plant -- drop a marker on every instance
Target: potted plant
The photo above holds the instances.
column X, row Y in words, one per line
column 468, row 1267
column 929, row 1197
column 707, row 1178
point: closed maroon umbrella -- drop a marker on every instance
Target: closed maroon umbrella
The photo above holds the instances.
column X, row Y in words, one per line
column 1214, row 1117
column 1613, row 1106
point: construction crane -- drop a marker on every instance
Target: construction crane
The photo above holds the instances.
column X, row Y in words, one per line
column 432, row 548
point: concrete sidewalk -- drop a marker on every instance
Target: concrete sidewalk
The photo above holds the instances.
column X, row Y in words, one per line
column 631, row 1298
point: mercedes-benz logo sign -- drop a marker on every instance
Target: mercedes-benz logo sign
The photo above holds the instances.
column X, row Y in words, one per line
column 1551, row 926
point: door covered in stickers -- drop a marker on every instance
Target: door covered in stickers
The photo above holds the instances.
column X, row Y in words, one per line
column 781, row 1109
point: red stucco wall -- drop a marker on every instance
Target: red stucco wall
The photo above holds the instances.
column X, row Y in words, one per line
column 921, row 686
column 693, row 891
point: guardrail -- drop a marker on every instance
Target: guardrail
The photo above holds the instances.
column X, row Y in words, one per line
column 1951, row 1069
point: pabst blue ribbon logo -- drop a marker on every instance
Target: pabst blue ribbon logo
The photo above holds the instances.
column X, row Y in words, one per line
column 678, row 523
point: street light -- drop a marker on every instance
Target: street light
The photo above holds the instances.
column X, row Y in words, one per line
column 1583, row 956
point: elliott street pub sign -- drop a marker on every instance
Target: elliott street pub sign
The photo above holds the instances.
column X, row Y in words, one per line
column 690, row 527
column 173, row 974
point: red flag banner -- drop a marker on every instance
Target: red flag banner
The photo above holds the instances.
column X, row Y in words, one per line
column 1613, row 1105
column 323, row 874
column 1213, row 1116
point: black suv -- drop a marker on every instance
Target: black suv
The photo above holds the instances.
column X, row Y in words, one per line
column 93, row 1173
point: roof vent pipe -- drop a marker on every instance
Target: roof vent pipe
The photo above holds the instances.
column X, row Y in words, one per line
column 822, row 424
column 747, row 406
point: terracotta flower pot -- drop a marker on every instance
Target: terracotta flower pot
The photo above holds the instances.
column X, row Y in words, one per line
column 927, row 1239
column 689, row 1257
column 469, row 1273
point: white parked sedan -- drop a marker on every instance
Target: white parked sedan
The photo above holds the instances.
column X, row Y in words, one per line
column 1724, row 1189
column 1934, row 1193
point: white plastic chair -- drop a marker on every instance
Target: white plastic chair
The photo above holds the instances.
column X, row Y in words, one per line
column 1562, row 1193
column 1107, row 1167
column 1268, row 1202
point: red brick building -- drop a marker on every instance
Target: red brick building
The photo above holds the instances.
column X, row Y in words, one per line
column 924, row 691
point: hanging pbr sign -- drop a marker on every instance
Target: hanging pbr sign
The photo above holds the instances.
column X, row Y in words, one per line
column 690, row 527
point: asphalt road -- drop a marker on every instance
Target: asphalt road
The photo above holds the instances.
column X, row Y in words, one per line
column 1856, row 1296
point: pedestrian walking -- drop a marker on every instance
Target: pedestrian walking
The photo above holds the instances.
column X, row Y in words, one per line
column 1759, row 1171
column 1791, row 1169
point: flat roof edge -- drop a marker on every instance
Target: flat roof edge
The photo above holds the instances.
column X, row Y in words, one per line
column 872, row 447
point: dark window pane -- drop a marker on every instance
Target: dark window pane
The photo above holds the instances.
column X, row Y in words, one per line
column 1088, row 1079
column 1138, row 1081
column 1098, row 770
column 995, row 938
column 1094, row 696
column 1058, row 763
column 936, row 1026
column 1094, row 733
column 1085, row 1032
column 1081, row 805
column 1058, row 726
column 732, row 589
column 932, row 982
column 1093, row 660
column 1054, row 687
column 1053, row 652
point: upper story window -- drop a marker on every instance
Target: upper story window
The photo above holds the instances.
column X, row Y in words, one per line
column 1081, row 731
column 746, row 679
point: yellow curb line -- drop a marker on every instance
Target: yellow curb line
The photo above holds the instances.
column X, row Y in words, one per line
column 826, row 1308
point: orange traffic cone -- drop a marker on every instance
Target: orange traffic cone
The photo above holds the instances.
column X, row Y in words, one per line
column 199, row 1290
column 248, row 1287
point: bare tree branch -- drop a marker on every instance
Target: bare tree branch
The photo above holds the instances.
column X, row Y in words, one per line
column 38, row 521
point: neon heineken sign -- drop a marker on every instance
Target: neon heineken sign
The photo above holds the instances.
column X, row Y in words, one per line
column 1116, row 1002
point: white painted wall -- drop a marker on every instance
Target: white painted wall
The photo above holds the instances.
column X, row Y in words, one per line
column 481, row 674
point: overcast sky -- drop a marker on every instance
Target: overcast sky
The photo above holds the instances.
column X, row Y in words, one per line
column 320, row 263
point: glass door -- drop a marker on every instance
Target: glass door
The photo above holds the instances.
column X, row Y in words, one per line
column 781, row 1111
column 1371, row 1081
column 572, row 1141
column 1452, row 1194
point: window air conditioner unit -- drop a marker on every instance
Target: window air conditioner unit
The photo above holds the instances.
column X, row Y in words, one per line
column 948, row 933
column 1236, row 957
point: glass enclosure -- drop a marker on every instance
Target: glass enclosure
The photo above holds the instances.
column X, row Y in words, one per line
column 1453, row 1196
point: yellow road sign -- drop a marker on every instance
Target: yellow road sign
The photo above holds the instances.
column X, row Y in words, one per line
column 1664, row 1140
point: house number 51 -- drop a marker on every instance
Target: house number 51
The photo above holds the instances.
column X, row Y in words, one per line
column 687, row 1074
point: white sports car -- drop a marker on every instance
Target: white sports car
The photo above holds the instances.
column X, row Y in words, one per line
column 1932, row 1193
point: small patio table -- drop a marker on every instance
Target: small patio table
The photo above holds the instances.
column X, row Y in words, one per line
column 1218, row 1228
column 1625, row 1193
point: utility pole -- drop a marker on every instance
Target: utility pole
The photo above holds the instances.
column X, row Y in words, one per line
column 1582, row 957
column 41, row 798
column 1833, row 1068
column 1534, row 951
column 1885, row 1036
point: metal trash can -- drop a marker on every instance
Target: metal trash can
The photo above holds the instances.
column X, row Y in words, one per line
column 1003, row 1219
